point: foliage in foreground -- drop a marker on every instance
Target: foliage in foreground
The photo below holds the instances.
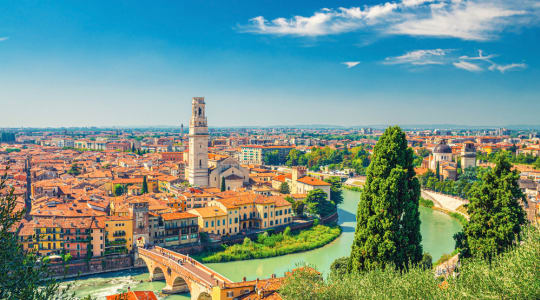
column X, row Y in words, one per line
column 512, row 275
column 276, row 244
column 496, row 215
column 22, row 275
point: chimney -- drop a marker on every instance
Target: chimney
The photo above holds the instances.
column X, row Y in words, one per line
column 244, row 278
column 273, row 275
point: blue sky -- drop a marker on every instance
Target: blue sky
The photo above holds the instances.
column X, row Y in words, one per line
column 127, row 63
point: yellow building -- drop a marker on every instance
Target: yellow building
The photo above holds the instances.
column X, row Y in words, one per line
column 118, row 233
column 42, row 235
column 211, row 219
column 232, row 220
column 247, row 210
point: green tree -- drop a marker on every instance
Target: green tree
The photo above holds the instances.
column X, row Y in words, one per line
column 495, row 213
column 223, row 185
column 336, row 194
column 427, row 262
column 75, row 170
column 298, row 207
column 340, row 267
column 537, row 163
column 24, row 276
column 118, row 190
column 144, row 185
column 423, row 152
column 388, row 221
column 284, row 188
column 271, row 158
column 318, row 204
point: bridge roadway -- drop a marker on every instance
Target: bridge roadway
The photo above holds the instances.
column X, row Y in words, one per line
column 175, row 265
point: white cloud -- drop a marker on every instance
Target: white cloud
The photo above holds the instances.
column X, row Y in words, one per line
column 419, row 57
column 449, row 57
column 3, row 38
column 463, row 19
column 504, row 68
column 415, row 2
column 479, row 57
column 468, row 20
column 467, row 66
column 351, row 64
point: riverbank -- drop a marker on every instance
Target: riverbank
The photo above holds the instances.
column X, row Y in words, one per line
column 459, row 216
column 278, row 244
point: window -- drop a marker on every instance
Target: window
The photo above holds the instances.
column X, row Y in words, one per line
column 230, row 294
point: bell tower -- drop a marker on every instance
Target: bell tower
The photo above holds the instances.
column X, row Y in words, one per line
column 198, row 144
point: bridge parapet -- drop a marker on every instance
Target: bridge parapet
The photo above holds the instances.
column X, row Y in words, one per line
column 196, row 263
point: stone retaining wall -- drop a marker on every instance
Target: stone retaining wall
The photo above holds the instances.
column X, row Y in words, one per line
column 93, row 266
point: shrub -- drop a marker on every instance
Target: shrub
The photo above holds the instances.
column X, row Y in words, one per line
column 426, row 202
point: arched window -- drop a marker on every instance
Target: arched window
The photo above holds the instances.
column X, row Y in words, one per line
column 200, row 111
column 200, row 163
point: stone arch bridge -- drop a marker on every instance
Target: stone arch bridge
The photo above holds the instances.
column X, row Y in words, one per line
column 181, row 273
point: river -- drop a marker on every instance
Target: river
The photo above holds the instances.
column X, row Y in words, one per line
column 437, row 231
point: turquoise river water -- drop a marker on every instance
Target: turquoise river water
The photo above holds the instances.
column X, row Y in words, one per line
column 437, row 230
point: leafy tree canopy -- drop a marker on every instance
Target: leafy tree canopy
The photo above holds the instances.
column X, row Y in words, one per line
column 495, row 213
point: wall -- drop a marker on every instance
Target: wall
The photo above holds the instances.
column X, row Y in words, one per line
column 95, row 265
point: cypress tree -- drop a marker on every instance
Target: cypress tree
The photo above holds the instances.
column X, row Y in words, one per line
column 284, row 188
column 388, row 221
column 223, row 187
column 495, row 213
column 144, row 186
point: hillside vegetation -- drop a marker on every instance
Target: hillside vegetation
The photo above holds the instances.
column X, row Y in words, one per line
column 514, row 274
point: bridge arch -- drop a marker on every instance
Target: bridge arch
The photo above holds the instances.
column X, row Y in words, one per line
column 204, row 296
column 178, row 285
column 157, row 273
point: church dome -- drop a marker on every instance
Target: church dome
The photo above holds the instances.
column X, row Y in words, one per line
column 442, row 148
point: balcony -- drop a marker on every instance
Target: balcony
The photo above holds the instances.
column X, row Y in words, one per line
column 118, row 242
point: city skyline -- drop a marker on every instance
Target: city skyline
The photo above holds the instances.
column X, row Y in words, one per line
column 269, row 64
